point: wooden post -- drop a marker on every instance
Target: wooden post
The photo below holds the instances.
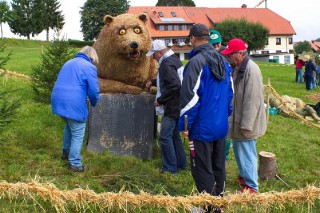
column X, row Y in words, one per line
column 268, row 99
column 267, row 165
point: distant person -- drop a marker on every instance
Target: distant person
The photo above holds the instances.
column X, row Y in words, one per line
column 318, row 75
column 167, row 106
column 206, row 96
column 77, row 81
column 299, row 64
column 248, row 120
column 310, row 69
column 215, row 40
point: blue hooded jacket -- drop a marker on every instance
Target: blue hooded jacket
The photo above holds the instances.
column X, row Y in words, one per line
column 76, row 81
column 206, row 95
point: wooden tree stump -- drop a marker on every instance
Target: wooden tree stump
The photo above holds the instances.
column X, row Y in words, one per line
column 267, row 165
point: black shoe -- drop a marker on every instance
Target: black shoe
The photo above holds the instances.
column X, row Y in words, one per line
column 76, row 168
column 65, row 155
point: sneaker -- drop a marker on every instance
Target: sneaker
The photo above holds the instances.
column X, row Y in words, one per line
column 65, row 155
column 241, row 181
column 76, row 168
column 248, row 189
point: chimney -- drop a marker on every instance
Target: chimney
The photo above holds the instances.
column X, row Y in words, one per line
column 243, row 6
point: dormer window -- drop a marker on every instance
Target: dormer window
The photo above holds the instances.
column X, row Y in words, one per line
column 173, row 14
column 160, row 14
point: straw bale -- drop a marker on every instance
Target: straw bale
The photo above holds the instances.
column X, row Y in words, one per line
column 122, row 46
column 14, row 74
column 84, row 199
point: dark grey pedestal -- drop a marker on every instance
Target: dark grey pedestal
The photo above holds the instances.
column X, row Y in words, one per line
column 122, row 124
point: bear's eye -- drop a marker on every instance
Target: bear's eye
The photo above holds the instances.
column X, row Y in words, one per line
column 122, row 32
column 137, row 30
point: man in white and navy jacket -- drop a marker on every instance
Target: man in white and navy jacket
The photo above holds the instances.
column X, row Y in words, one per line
column 206, row 98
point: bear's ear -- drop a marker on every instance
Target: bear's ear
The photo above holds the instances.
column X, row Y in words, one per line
column 143, row 17
column 107, row 19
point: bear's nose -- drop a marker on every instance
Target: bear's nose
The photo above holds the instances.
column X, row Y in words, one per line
column 134, row 44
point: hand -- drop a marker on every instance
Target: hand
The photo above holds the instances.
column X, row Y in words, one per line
column 156, row 103
column 244, row 131
column 185, row 134
column 148, row 84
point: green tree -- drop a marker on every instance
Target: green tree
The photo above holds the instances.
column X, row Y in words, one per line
column 4, row 14
column 302, row 47
column 53, row 21
column 45, row 73
column 24, row 18
column 176, row 3
column 92, row 14
column 254, row 34
column 8, row 105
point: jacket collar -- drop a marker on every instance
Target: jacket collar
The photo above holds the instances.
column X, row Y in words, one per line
column 166, row 55
column 84, row 56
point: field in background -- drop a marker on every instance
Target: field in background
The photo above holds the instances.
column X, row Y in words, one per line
column 31, row 146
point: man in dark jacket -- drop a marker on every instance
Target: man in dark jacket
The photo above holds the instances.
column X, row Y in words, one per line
column 206, row 96
column 309, row 73
column 167, row 105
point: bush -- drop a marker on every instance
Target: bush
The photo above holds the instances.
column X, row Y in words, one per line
column 79, row 44
column 44, row 75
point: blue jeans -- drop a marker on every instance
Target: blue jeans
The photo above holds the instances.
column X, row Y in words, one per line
column 172, row 150
column 314, row 83
column 299, row 74
column 73, row 140
column 246, row 156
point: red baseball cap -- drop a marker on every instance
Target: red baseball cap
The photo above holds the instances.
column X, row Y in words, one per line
column 234, row 45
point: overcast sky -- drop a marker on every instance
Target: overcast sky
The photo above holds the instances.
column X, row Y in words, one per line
column 304, row 16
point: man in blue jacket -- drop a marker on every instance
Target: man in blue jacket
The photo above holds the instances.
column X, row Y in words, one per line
column 205, row 97
column 77, row 81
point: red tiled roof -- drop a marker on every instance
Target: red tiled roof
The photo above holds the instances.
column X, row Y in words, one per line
column 274, row 22
column 269, row 19
column 315, row 45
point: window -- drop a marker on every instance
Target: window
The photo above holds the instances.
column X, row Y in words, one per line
column 160, row 14
column 169, row 27
column 184, row 27
column 161, row 27
column 176, row 27
column 290, row 40
column 173, row 14
column 278, row 41
column 267, row 42
column 167, row 41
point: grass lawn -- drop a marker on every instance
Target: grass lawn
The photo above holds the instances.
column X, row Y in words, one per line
column 31, row 149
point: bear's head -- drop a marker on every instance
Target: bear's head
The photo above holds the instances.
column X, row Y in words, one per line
column 125, row 36
column 122, row 46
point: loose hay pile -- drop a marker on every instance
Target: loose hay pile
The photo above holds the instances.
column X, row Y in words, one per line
column 83, row 199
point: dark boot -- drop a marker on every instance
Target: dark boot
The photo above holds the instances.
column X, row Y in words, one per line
column 76, row 168
column 65, row 155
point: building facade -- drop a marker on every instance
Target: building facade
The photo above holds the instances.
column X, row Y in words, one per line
column 172, row 24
